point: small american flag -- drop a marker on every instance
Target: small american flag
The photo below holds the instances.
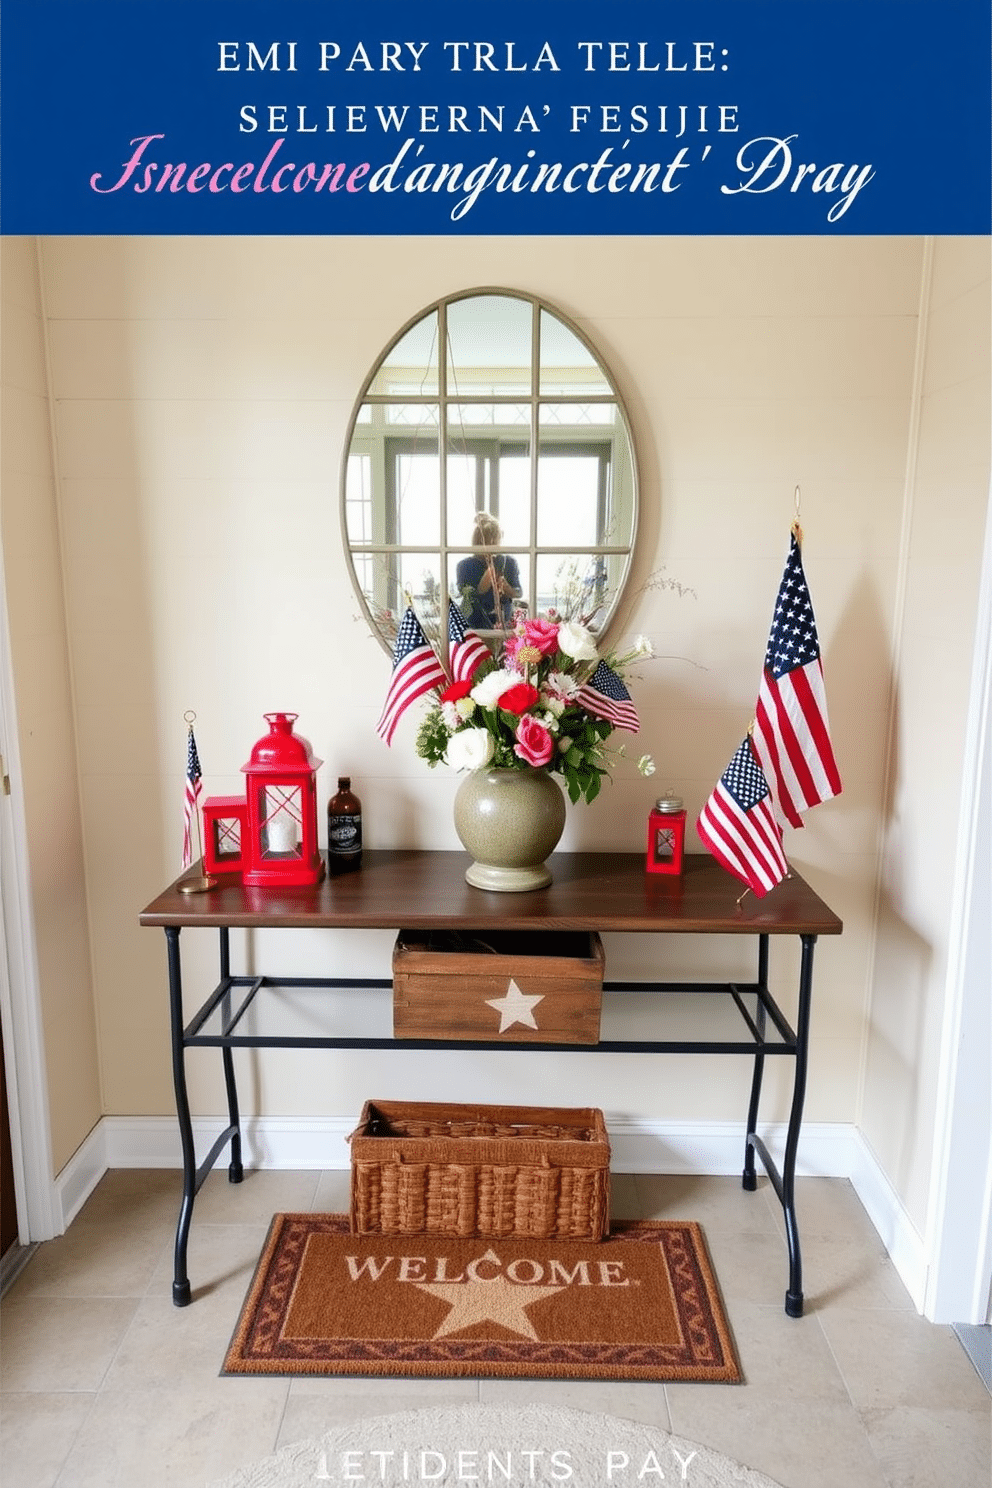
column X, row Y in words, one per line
column 738, row 824
column 193, row 787
column 791, row 731
column 467, row 649
column 605, row 696
column 416, row 670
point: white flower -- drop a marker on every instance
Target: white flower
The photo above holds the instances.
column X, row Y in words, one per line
column 492, row 687
column 449, row 715
column 576, row 641
column 561, row 684
column 464, row 707
column 549, row 720
column 469, row 749
column 643, row 647
column 646, row 765
column 554, row 705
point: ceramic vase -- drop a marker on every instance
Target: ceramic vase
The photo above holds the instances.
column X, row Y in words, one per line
column 510, row 821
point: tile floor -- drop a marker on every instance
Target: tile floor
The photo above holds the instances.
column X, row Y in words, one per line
column 106, row 1385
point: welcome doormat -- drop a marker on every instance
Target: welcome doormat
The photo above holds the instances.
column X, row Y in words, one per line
column 640, row 1305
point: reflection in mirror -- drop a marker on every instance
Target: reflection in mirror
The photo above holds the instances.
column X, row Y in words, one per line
column 567, row 366
column 488, row 589
column 489, row 469
column 488, row 343
column 490, row 529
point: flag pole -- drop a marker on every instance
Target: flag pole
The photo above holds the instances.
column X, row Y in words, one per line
column 203, row 881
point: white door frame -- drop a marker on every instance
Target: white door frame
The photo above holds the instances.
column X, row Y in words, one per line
column 38, row 1208
column 959, row 1229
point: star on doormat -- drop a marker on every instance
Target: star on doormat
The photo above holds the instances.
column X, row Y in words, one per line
column 515, row 1007
column 488, row 1299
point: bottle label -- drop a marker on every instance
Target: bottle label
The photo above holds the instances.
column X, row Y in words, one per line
column 344, row 834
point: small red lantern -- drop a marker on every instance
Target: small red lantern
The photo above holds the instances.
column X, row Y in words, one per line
column 666, row 835
column 225, row 834
column 281, row 845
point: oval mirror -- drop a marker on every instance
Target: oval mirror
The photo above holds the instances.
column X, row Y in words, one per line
column 534, row 505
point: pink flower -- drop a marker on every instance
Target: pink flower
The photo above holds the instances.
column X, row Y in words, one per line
column 519, row 698
column 534, row 743
column 542, row 635
column 511, row 645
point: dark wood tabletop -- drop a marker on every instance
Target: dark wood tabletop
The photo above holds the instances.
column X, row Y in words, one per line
column 413, row 889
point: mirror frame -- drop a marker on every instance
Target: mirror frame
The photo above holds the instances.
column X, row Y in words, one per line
column 441, row 397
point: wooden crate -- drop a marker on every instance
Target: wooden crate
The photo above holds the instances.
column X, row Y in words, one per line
column 451, row 1169
column 522, row 987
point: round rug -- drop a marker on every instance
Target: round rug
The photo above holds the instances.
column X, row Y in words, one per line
column 496, row 1446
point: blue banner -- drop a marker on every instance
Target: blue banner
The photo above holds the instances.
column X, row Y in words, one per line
column 625, row 116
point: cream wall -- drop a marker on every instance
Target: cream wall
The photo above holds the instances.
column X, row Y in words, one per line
column 44, row 710
column 203, row 388
column 947, row 502
column 202, row 392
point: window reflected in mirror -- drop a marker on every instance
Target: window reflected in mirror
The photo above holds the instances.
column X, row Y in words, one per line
column 534, row 504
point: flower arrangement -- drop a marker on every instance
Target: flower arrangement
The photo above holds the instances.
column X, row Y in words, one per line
column 547, row 701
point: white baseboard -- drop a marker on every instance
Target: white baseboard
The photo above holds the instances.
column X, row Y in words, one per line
column 826, row 1150
column 81, row 1174
column 717, row 1147
column 887, row 1213
column 307, row 1142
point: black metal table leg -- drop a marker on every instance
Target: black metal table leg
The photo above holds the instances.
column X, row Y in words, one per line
column 235, row 1170
column 749, row 1179
column 784, row 1181
column 180, row 1283
column 794, row 1296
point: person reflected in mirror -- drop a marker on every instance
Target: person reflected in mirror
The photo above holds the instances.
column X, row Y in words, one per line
column 488, row 583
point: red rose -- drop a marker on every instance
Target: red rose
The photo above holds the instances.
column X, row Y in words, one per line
column 455, row 691
column 534, row 742
column 518, row 698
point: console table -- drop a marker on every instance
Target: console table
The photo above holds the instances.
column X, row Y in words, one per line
column 415, row 890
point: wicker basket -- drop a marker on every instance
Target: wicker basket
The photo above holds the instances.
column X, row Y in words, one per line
column 432, row 1169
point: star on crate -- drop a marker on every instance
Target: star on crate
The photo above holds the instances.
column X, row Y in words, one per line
column 515, row 1007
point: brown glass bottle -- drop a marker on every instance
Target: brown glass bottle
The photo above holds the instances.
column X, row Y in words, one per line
column 344, row 829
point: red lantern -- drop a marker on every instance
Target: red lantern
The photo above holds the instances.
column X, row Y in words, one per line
column 225, row 833
column 281, row 846
column 666, row 835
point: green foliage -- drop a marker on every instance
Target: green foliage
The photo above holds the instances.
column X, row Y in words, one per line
column 584, row 762
column 432, row 737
